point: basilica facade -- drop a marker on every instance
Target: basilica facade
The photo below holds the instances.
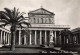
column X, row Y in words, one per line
column 42, row 31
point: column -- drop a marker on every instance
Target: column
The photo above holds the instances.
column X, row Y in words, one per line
column 35, row 37
column 67, row 41
column 19, row 37
column 79, row 38
column 75, row 39
column 55, row 37
column 45, row 37
column 4, row 38
column 64, row 39
column 8, row 39
column 60, row 37
column 30, row 38
column 1, row 37
column 40, row 37
column 24, row 39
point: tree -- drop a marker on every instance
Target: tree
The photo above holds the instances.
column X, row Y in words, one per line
column 15, row 19
column 65, row 33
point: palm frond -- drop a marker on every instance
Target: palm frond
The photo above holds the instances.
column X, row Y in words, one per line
column 21, row 26
column 9, row 13
column 21, row 18
column 4, row 21
column 1, row 25
column 13, row 17
column 17, row 13
column 21, row 14
column 26, row 23
column 4, row 16
column 14, row 13
column 7, row 10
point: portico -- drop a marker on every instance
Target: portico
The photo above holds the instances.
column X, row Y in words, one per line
column 42, row 25
column 41, row 35
column 4, row 36
column 42, row 31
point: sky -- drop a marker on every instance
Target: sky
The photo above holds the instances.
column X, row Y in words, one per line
column 67, row 12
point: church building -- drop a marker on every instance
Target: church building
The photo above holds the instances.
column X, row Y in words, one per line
column 42, row 25
column 42, row 30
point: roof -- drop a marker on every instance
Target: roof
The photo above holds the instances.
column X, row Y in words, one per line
column 41, row 11
column 76, row 29
column 49, row 26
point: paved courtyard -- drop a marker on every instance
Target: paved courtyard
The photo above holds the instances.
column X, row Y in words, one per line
column 33, row 50
column 27, row 50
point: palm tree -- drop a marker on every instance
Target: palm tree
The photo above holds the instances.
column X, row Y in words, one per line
column 15, row 19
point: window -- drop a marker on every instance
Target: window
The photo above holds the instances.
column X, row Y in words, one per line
column 34, row 20
column 42, row 20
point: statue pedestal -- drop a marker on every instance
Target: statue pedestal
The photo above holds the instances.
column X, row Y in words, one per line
column 51, row 45
column 46, row 45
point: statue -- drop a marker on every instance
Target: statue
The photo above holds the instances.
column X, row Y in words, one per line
column 51, row 39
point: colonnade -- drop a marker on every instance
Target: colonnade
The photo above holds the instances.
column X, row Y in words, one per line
column 75, row 39
column 4, row 38
column 35, row 37
column 71, row 39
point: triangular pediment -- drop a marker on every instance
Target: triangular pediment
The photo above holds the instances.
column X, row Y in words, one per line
column 41, row 11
